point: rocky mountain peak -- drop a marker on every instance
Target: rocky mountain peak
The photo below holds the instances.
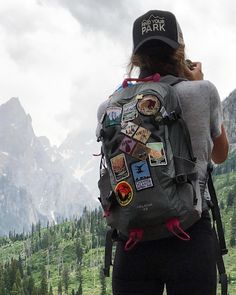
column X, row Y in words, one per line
column 229, row 116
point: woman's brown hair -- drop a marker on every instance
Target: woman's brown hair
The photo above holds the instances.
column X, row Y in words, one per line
column 157, row 57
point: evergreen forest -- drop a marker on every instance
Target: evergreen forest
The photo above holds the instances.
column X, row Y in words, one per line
column 67, row 258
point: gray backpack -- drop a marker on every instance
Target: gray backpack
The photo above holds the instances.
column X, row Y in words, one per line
column 148, row 182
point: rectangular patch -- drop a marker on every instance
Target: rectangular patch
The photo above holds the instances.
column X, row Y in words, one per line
column 113, row 116
column 141, row 175
column 129, row 128
column 130, row 111
column 119, row 167
column 157, row 156
column 140, row 152
column 127, row 145
column 142, row 134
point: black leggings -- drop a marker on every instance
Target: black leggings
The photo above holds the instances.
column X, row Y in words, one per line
column 185, row 268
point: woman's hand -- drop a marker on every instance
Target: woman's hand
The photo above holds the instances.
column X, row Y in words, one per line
column 197, row 71
column 194, row 70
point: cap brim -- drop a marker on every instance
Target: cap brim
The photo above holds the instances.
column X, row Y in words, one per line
column 168, row 41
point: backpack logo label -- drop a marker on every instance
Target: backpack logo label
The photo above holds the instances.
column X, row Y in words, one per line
column 119, row 167
column 127, row 145
column 113, row 116
column 124, row 193
column 149, row 105
column 141, row 175
column 153, row 24
column 129, row 111
column 156, row 154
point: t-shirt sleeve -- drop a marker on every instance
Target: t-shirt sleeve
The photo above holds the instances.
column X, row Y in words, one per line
column 216, row 112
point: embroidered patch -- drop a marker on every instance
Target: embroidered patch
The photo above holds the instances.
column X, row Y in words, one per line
column 127, row 145
column 119, row 167
column 129, row 111
column 113, row 116
column 124, row 193
column 129, row 128
column 142, row 134
column 156, row 155
column 140, row 152
column 149, row 105
column 141, row 175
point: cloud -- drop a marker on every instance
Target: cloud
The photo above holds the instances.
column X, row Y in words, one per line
column 110, row 17
column 63, row 57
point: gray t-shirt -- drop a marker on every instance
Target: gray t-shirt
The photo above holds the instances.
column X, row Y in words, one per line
column 201, row 106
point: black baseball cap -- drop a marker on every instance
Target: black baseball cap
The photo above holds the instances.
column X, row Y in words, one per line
column 157, row 25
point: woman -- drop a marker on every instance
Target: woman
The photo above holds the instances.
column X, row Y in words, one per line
column 181, row 267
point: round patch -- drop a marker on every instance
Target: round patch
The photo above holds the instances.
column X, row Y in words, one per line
column 149, row 105
column 124, row 193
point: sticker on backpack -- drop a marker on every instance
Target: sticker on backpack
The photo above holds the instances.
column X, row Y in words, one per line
column 157, row 156
column 124, row 193
column 149, row 105
column 119, row 167
column 141, row 175
column 142, row 134
column 130, row 111
column 140, row 152
column 113, row 116
column 129, row 128
column 127, row 145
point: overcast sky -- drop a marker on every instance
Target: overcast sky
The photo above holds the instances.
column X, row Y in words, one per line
column 63, row 57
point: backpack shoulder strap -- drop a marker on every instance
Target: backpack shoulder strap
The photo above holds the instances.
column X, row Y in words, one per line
column 172, row 80
column 218, row 234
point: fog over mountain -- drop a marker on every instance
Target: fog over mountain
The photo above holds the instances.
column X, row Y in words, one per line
column 35, row 180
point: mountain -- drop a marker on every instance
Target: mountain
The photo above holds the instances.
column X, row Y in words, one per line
column 35, row 183
column 79, row 152
column 229, row 117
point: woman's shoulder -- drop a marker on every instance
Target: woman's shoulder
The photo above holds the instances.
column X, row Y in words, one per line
column 198, row 88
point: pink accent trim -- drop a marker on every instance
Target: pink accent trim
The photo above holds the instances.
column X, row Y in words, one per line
column 174, row 227
column 106, row 213
column 135, row 236
column 154, row 78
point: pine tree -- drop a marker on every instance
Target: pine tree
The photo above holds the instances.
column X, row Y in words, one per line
column 44, row 283
column 80, row 290
column 17, row 288
column 233, row 230
column 2, row 283
column 31, row 285
column 65, row 278
column 102, row 282
column 79, row 252
column 59, row 288
column 50, row 292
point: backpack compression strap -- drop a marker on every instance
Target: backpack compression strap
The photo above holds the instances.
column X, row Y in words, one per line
column 218, row 234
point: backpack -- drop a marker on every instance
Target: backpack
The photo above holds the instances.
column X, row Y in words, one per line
column 149, row 187
column 148, row 182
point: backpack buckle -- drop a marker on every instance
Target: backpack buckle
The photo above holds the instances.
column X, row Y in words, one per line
column 181, row 178
column 173, row 116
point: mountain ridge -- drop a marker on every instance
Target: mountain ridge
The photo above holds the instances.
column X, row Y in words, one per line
column 28, row 163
